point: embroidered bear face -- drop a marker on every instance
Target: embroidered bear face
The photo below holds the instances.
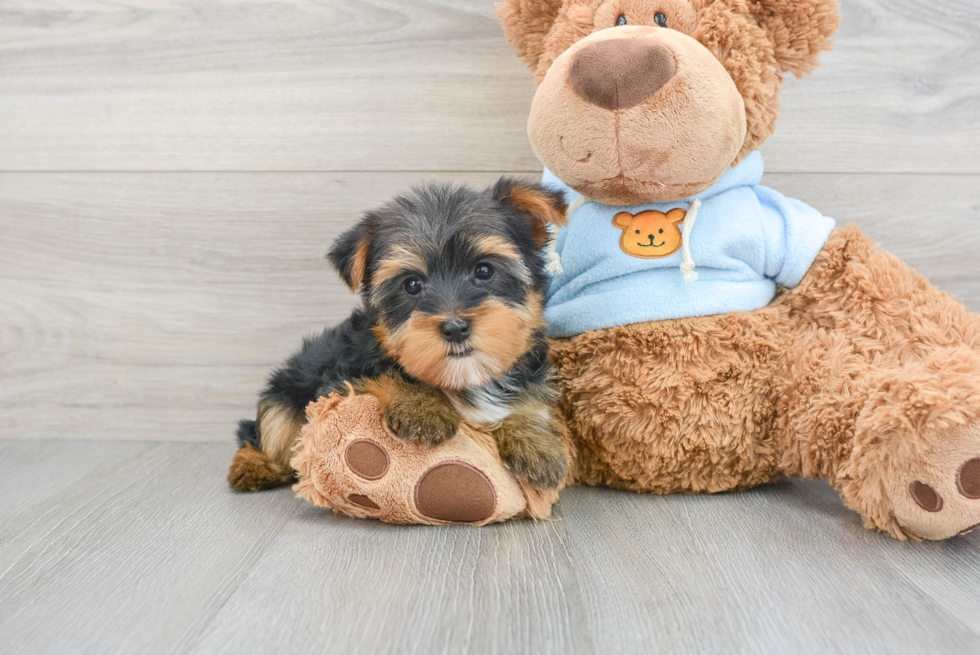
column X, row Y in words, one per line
column 650, row 234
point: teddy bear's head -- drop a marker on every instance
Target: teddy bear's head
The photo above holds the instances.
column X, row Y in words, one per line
column 653, row 100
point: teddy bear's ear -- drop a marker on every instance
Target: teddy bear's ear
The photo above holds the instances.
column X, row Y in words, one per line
column 526, row 24
column 350, row 252
column 799, row 29
column 676, row 216
column 622, row 220
column 543, row 206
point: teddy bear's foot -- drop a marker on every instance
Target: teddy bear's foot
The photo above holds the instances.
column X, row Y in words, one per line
column 939, row 496
column 914, row 470
column 350, row 461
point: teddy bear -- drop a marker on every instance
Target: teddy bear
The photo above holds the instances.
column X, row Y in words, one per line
column 709, row 334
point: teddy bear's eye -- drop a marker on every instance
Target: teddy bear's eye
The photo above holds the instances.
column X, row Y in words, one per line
column 637, row 231
column 661, row 230
column 621, row 20
column 660, row 19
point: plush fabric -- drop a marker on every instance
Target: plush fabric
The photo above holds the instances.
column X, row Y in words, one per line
column 745, row 240
column 721, row 105
column 349, row 461
column 676, row 143
column 864, row 375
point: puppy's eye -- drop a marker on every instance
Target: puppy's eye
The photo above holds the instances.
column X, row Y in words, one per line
column 483, row 271
column 621, row 20
column 413, row 286
column 660, row 19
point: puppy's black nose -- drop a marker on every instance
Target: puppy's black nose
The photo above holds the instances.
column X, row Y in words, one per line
column 456, row 330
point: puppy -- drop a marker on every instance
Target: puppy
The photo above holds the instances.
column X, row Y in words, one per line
column 451, row 329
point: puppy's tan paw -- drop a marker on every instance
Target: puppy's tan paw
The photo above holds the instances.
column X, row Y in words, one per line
column 543, row 465
column 252, row 470
column 419, row 423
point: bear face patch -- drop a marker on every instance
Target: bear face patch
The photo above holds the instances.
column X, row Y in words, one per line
column 650, row 234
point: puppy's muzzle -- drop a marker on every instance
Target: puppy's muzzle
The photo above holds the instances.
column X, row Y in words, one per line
column 621, row 73
column 457, row 330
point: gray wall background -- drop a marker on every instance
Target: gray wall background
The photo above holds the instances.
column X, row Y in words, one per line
column 171, row 174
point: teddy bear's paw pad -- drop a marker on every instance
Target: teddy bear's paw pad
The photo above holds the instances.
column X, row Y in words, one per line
column 925, row 496
column 968, row 479
column 455, row 492
column 943, row 501
column 366, row 459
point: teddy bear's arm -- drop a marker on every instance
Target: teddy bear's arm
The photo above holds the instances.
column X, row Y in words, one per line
column 793, row 234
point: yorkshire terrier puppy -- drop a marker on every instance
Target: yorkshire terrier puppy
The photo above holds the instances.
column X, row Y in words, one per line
column 451, row 328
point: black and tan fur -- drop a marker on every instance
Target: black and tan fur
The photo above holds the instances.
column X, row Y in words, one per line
column 451, row 329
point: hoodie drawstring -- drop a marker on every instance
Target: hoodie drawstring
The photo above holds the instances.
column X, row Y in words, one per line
column 553, row 265
column 687, row 266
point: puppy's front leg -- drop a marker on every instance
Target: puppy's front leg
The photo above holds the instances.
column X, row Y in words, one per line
column 529, row 445
column 415, row 412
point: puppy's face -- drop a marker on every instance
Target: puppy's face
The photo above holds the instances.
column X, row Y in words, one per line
column 454, row 276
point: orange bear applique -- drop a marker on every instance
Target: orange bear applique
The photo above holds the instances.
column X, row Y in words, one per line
column 650, row 234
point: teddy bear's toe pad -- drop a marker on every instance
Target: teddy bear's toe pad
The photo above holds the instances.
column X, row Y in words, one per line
column 925, row 496
column 968, row 479
column 456, row 492
column 366, row 459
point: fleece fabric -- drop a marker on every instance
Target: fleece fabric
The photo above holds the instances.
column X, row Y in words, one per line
column 622, row 265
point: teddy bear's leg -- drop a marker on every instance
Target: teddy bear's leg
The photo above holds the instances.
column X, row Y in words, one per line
column 881, row 391
column 348, row 459
column 674, row 406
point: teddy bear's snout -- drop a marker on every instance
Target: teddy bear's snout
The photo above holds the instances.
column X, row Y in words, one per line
column 621, row 73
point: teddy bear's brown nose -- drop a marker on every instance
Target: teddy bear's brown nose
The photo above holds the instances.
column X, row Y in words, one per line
column 621, row 73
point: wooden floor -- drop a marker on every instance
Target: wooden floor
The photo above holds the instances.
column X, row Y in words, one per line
column 171, row 173
column 138, row 547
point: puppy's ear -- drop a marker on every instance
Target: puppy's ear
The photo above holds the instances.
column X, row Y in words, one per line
column 799, row 29
column 541, row 205
column 349, row 253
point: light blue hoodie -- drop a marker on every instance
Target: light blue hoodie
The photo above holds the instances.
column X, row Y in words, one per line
column 745, row 240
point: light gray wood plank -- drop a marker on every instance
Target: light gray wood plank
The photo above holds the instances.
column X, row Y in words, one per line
column 404, row 85
column 899, row 92
column 151, row 554
column 763, row 571
column 132, row 559
column 152, row 306
column 930, row 222
column 333, row 584
column 36, row 475
column 946, row 572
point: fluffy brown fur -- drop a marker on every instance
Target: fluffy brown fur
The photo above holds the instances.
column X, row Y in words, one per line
column 864, row 375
